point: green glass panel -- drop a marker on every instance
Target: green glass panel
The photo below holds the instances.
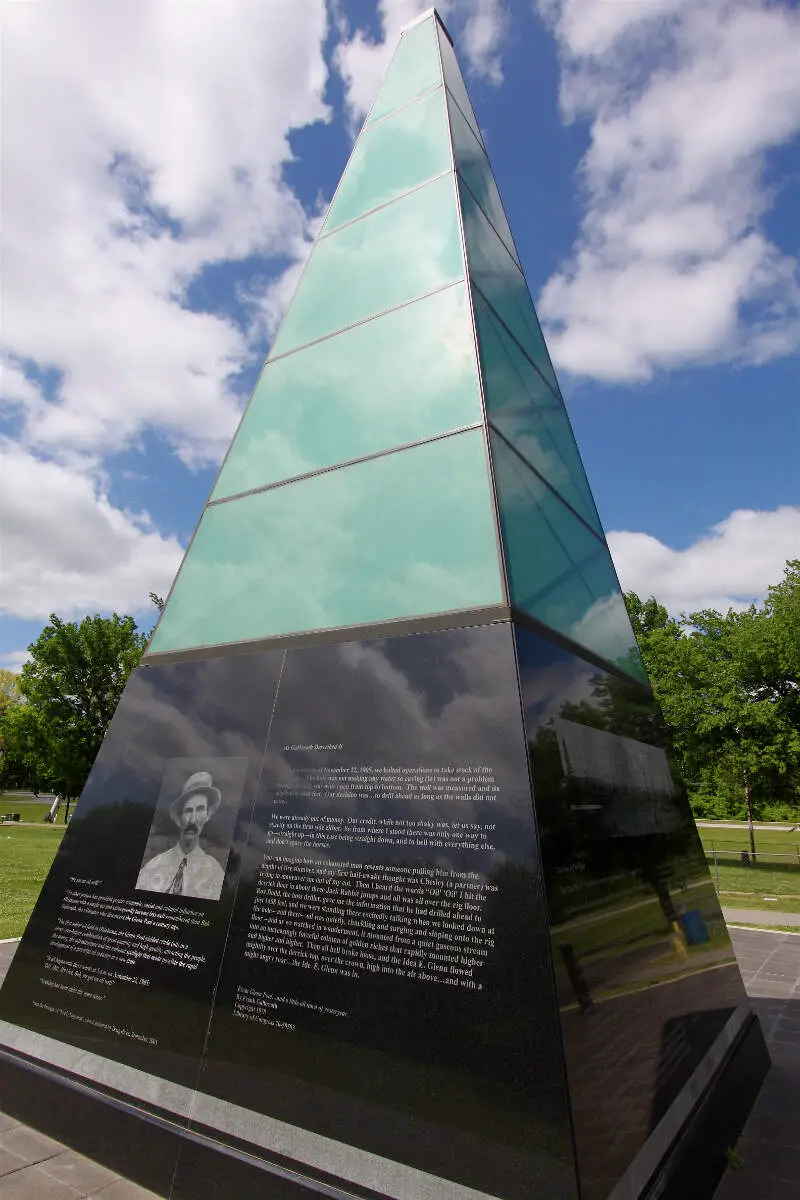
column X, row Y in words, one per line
column 529, row 415
column 473, row 166
column 414, row 376
column 414, row 69
column 502, row 283
column 455, row 82
column 403, row 151
column 558, row 570
column 397, row 536
column 400, row 252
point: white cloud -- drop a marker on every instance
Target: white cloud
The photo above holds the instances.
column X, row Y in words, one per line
column 65, row 548
column 142, row 142
column 16, row 390
column 482, row 39
column 672, row 264
column 730, row 566
column 14, row 660
column 155, row 149
column 478, row 28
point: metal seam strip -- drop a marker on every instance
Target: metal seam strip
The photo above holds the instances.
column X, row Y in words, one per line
column 349, row 462
column 363, row 320
column 384, row 204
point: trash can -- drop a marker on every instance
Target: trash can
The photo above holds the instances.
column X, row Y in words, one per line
column 694, row 927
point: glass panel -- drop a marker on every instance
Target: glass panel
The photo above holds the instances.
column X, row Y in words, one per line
column 399, row 252
column 558, row 570
column 502, row 283
column 414, row 69
column 407, row 754
column 396, row 536
column 644, row 968
column 414, row 376
column 474, row 168
column 455, row 82
column 521, row 405
column 392, row 158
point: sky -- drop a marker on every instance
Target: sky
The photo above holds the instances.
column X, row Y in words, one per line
column 167, row 164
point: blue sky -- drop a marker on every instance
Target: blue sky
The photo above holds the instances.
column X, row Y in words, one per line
column 166, row 168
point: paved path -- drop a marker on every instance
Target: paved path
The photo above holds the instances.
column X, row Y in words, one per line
column 759, row 916
column 34, row 1167
column 744, row 826
column 770, row 1141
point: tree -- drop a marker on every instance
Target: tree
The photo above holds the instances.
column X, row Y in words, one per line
column 157, row 600
column 729, row 687
column 70, row 689
column 9, row 699
column 9, row 690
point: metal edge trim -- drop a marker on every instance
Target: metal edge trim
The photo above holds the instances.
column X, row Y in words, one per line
column 494, row 500
column 597, row 534
column 482, row 148
column 394, row 627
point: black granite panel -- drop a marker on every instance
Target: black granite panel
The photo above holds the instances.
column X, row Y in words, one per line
column 646, row 975
column 112, row 961
column 387, row 980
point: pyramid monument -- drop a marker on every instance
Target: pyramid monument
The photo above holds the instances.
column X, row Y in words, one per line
column 383, row 883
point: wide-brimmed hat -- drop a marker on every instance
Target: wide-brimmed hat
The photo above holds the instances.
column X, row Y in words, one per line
column 199, row 782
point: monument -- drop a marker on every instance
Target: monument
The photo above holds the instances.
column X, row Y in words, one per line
column 383, row 883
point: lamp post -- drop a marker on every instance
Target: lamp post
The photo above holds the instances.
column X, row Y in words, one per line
column 749, row 814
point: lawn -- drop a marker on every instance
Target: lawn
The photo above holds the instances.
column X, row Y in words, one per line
column 25, row 857
column 768, row 842
column 766, row 879
column 32, row 811
column 789, row 904
column 771, row 882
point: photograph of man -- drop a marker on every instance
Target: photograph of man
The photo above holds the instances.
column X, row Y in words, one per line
column 186, row 869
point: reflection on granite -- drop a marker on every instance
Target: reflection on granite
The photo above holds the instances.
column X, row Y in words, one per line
column 645, row 972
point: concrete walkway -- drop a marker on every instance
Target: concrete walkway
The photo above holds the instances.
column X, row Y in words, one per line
column 760, row 916
column 744, row 826
column 34, row 1167
column 770, row 1143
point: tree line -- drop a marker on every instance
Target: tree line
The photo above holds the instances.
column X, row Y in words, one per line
column 729, row 688
column 728, row 685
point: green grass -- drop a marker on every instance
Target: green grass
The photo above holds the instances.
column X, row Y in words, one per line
column 34, row 810
column 763, row 879
column 756, row 900
column 768, row 841
column 25, row 858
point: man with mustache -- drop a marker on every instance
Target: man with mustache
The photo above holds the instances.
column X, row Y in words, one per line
column 186, row 870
